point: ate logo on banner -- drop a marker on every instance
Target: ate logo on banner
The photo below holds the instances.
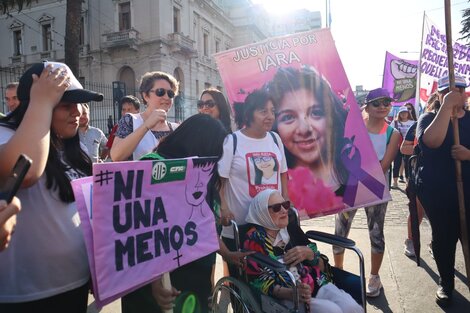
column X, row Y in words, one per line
column 168, row 171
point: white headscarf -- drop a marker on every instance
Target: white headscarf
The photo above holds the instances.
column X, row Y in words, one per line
column 258, row 214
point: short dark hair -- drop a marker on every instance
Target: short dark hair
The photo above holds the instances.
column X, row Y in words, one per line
column 244, row 111
column 149, row 78
column 130, row 99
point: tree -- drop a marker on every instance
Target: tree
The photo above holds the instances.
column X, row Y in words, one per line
column 466, row 25
column 72, row 27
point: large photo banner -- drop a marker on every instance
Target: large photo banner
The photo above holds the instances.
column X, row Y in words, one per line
column 332, row 164
column 143, row 219
column 434, row 62
column 399, row 79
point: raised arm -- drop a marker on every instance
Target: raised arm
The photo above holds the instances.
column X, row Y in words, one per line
column 435, row 133
column 33, row 134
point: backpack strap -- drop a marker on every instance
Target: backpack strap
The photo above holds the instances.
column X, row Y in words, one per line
column 389, row 133
column 234, row 136
column 234, row 142
column 274, row 138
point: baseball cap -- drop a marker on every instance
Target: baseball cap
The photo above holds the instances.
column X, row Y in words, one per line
column 74, row 93
column 443, row 82
column 403, row 109
column 379, row 93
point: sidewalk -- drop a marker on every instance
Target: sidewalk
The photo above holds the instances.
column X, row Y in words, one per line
column 407, row 288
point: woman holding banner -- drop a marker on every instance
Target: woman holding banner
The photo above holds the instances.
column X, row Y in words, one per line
column 438, row 191
column 139, row 133
column 310, row 121
column 385, row 140
column 200, row 135
column 45, row 268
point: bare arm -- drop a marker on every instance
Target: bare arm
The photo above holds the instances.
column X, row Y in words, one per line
column 435, row 133
column 123, row 148
column 391, row 152
column 225, row 214
column 406, row 147
column 284, row 179
column 33, row 134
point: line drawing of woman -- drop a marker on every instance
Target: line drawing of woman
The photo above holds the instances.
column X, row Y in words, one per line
column 310, row 119
column 265, row 169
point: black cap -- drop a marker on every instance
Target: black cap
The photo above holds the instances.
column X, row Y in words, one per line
column 74, row 93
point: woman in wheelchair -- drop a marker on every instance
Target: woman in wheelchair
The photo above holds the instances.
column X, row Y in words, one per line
column 269, row 235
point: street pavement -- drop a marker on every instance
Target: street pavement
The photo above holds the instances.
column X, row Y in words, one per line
column 407, row 287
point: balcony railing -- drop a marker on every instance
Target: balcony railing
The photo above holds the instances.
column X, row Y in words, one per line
column 183, row 44
column 129, row 37
column 47, row 55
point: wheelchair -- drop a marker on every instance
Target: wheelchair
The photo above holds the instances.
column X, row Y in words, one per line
column 235, row 294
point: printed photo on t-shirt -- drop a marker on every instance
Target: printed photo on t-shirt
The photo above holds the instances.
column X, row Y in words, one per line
column 263, row 168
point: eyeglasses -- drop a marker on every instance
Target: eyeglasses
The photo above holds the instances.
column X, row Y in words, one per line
column 277, row 206
column 385, row 102
column 262, row 159
column 209, row 104
column 160, row 92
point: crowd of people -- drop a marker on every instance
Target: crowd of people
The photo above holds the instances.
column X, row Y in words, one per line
column 294, row 120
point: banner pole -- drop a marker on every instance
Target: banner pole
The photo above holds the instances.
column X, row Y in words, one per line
column 458, row 165
column 418, row 73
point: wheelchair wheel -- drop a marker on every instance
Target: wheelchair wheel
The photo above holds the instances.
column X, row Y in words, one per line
column 233, row 296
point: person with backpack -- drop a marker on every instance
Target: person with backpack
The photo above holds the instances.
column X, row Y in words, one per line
column 252, row 147
column 385, row 140
column 437, row 188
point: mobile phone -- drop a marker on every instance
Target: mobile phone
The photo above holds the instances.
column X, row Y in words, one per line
column 10, row 186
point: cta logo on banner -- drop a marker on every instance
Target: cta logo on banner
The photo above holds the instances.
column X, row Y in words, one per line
column 149, row 218
column 434, row 63
column 332, row 164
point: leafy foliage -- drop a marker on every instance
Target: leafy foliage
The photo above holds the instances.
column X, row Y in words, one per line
column 466, row 24
column 7, row 5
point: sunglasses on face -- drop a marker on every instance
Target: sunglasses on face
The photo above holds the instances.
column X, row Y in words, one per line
column 277, row 206
column 160, row 92
column 209, row 104
column 377, row 103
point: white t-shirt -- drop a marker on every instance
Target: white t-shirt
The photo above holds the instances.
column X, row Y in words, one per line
column 403, row 127
column 249, row 171
column 47, row 254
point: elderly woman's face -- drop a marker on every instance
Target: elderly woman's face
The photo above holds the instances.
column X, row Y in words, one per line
column 301, row 123
column 280, row 218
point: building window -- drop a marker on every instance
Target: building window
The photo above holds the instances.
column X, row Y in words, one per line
column 124, row 16
column 217, row 46
column 81, row 39
column 17, row 43
column 176, row 20
column 46, row 37
column 197, row 87
column 206, row 44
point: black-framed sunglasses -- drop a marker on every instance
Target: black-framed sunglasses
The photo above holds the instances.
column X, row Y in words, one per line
column 209, row 103
column 160, row 92
column 385, row 102
column 277, row 206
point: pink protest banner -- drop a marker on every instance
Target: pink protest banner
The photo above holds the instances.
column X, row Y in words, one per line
column 400, row 79
column 333, row 166
column 434, row 63
column 148, row 218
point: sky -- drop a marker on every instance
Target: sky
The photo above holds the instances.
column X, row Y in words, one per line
column 364, row 30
